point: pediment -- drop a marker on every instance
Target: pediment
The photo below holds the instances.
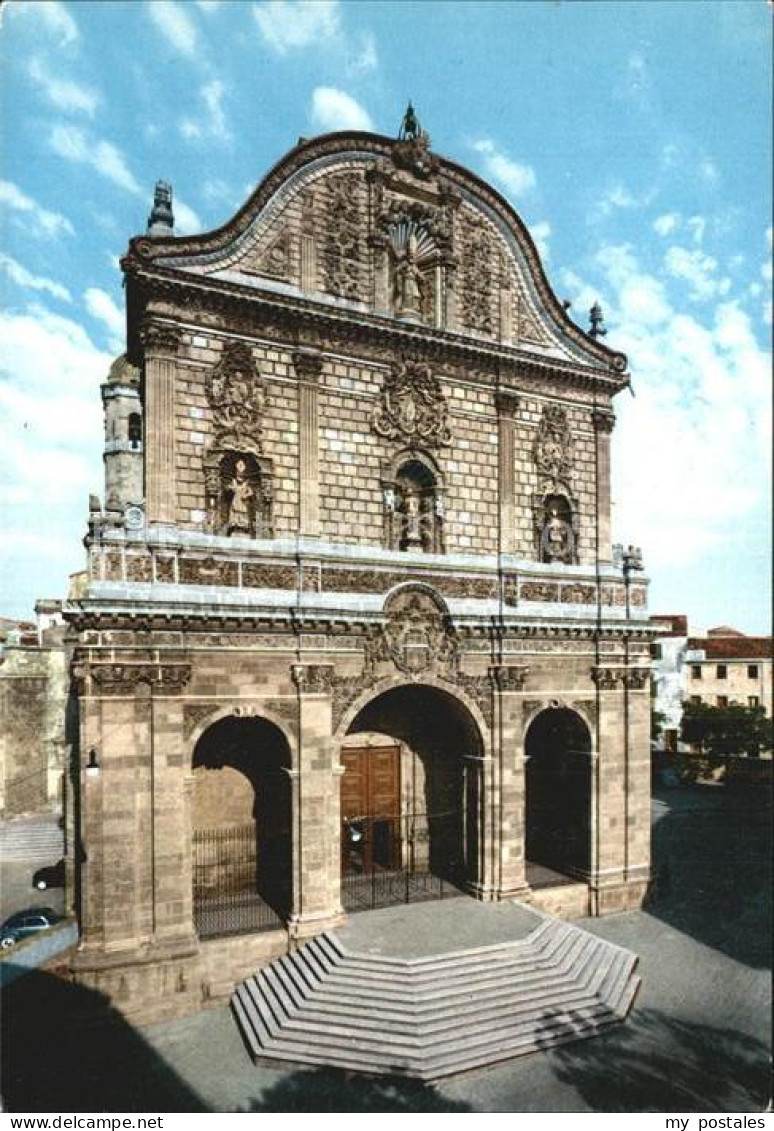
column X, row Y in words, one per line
column 363, row 222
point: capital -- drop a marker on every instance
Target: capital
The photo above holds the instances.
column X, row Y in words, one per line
column 506, row 403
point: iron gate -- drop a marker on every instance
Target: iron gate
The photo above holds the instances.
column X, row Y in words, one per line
column 388, row 860
column 228, row 897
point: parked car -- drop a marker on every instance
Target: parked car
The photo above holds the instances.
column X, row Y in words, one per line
column 25, row 923
column 52, row 876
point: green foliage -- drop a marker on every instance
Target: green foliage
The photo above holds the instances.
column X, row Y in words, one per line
column 657, row 720
column 723, row 731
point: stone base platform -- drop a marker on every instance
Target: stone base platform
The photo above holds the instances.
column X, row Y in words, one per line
column 434, row 990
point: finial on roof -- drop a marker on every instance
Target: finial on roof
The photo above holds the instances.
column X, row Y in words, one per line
column 410, row 129
column 161, row 221
column 597, row 328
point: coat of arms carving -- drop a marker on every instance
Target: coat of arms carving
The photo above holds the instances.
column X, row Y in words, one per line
column 417, row 637
column 413, row 408
column 237, row 397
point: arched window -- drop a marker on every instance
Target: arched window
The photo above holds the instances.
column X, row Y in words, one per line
column 134, row 429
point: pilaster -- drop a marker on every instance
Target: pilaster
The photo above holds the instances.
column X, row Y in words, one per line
column 160, row 341
column 308, row 366
column 604, row 422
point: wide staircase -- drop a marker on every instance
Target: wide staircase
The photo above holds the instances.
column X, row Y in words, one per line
column 38, row 838
column 439, row 1015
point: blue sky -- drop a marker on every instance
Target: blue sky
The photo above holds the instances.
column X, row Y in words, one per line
column 633, row 138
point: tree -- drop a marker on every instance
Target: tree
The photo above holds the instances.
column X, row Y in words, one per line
column 723, row 731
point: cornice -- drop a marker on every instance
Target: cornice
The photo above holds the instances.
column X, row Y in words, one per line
column 306, row 317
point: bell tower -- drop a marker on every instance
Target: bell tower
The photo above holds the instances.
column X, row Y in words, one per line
column 123, row 454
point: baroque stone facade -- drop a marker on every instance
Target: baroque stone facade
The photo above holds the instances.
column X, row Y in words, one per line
column 356, row 577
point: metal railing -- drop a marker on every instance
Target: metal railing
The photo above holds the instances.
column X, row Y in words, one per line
column 230, row 894
column 389, row 860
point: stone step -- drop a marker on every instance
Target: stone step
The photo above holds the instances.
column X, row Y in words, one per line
column 440, row 1014
column 432, row 999
column 36, row 838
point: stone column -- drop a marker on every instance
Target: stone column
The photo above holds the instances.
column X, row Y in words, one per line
column 507, row 403
column 308, row 366
column 160, row 341
column 604, row 422
column 317, row 894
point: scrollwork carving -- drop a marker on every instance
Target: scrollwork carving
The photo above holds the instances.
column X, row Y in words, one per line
column 314, row 679
column 236, row 395
column 606, row 679
column 413, row 407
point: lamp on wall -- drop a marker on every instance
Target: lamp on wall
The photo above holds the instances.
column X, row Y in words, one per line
column 92, row 766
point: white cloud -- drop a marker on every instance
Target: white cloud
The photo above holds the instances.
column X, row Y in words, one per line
column 187, row 221
column 540, row 234
column 698, row 226
column 641, row 297
column 515, row 178
column 71, row 143
column 697, row 269
column 19, row 275
column 54, row 16
column 39, row 221
column 296, row 25
column 102, row 307
column 708, row 170
column 334, row 110
column 175, row 25
column 287, row 25
column 693, row 447
column 50, row 459
column 666, row 224
column 213, row 124
column 65, row 94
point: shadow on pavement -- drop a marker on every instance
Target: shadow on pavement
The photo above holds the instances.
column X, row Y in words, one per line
column 712, row 863
column 337, row 1091
column 659, row 1063
column 64, row 1048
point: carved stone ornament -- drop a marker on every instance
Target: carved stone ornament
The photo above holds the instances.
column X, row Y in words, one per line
column 124, row 679
column 343, row 244
column 314, row 679
column 478, row 276
column 413, row 408
column 606, row 679
column 413, row 154
column 308, row 365
column 603, row 421
column 275, row 261
column 636, row 678
column 417, row 637
column 160, row 337
column 553, row 448
column 237, row 399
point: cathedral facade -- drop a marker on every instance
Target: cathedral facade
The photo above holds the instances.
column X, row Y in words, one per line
column 353, row 631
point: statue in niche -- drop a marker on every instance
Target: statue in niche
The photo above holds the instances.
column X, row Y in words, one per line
column 416, row 519
column 557, row 540
column 408, row 289
column 241, row 501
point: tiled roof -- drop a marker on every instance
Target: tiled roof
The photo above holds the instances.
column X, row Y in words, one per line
column 733, row 647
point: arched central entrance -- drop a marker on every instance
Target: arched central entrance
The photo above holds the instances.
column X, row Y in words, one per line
column 558, row 792
column 410, row 799
column 241, row 828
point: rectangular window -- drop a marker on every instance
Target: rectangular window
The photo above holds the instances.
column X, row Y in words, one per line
column 722, row 701
column 753, row 701
column 722, row 672
column 752, row 671
column 696, row 698
column 696, row 671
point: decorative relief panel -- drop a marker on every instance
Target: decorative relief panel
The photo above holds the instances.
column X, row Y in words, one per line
column 124, row 679
column 269, row 576
column 579, row 594
column 417, row 637
column 554, row 509
column 539, row 591
column 275, row 262
column 413, row 408
column 343, row 246
column 208, row 571
column 477, row 287
column 237, row 398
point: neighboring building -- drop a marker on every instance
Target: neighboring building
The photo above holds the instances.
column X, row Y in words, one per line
column 352, row 631
column 34, row 690
column 726, row 667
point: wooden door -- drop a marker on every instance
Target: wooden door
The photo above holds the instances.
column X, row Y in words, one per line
column 370, row 808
